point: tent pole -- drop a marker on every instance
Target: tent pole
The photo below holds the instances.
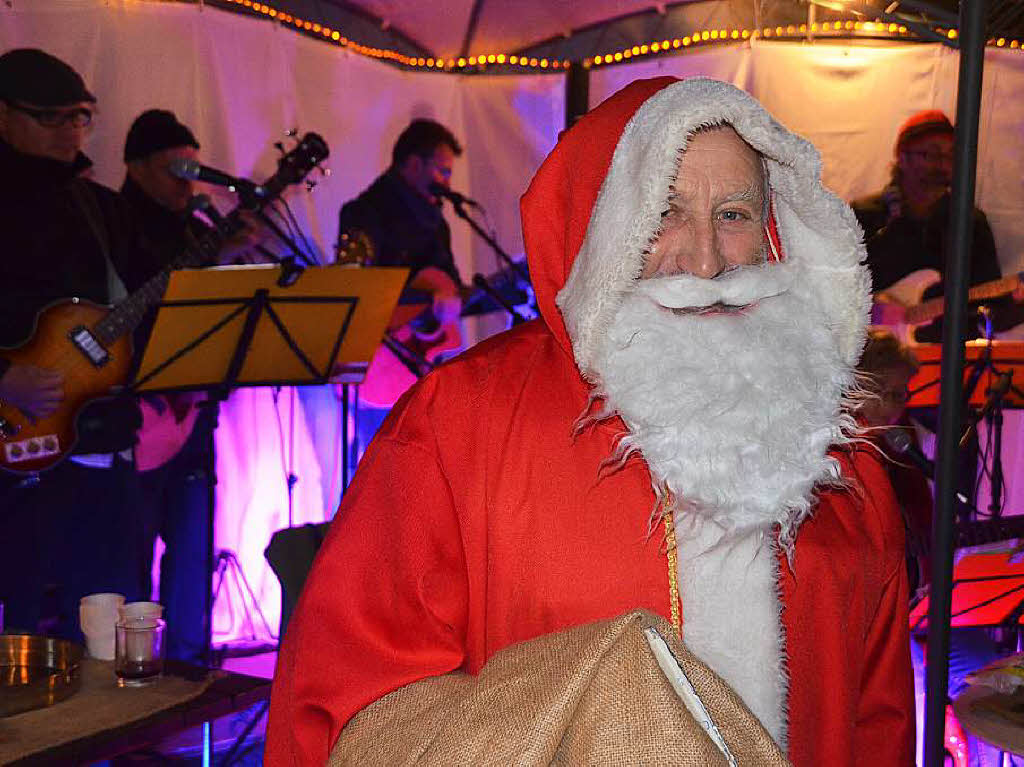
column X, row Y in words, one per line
column 957, row 278
column 577, row 93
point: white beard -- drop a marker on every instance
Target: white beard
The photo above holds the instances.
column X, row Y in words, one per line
column 733, row 413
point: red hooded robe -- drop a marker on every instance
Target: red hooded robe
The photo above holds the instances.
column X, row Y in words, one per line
column 476, row 520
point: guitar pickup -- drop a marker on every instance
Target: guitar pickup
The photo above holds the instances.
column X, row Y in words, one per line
column 31, row 449
column 89, row 345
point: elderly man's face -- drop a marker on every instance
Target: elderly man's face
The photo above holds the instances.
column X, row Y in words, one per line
column 715, row 220
column 54, row 133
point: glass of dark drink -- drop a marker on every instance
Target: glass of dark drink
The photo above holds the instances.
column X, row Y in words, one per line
column 139, row 650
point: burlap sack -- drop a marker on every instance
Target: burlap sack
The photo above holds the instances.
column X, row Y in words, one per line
column 594, row 694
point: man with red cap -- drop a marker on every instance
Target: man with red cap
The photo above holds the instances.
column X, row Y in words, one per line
column 703, row 304
column 906, row 225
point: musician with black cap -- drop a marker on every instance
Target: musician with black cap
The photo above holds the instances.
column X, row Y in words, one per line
column 69, row 531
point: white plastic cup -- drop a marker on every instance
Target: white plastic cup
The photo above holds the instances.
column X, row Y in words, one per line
column 97, row 616
column 137, row 610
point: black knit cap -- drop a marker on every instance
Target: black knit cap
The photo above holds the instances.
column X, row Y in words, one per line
column 153, row 131
column 35, row 77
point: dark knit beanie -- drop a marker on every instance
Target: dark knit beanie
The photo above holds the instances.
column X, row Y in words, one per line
column 153, row 131
column 35, row 77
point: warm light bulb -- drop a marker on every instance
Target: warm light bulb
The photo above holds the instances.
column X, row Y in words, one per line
column 501, row 58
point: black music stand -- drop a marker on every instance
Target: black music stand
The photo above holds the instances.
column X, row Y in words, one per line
column 225, row 327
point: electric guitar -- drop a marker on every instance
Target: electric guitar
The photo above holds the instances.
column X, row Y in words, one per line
column 909, row 292
column 90, row 344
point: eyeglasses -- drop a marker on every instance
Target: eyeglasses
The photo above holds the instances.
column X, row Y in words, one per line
column 932, row 155
column 79, row 117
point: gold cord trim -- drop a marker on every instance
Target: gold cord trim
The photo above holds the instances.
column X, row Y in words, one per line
column 673, row 564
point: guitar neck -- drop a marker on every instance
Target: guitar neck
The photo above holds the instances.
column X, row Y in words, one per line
column 926, row 311
column 128, row 313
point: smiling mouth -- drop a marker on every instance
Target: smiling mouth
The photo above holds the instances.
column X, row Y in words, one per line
column 711, row 310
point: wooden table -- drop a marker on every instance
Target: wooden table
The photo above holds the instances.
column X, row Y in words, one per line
column 227, row 693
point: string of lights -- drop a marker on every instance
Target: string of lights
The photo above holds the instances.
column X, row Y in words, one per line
column 481, row 62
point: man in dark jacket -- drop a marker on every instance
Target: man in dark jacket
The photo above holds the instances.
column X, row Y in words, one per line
column 176, row 489
column 69, row 531
column 400, row 213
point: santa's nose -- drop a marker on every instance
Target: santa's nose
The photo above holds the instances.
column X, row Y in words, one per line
column 701, row 255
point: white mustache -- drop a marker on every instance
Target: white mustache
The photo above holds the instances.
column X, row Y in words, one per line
column 740, row 286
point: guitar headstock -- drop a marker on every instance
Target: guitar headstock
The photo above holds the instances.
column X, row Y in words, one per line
column 295, row 164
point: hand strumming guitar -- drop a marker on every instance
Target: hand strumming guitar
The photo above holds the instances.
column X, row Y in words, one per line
column 446, row 297
column 35, row 391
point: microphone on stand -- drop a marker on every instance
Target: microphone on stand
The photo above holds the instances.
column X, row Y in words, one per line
column 903, row 445
column 440, row 190
column 192, row 170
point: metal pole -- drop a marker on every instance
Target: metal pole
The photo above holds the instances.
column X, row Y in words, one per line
column 577, row 93
column 957, row 277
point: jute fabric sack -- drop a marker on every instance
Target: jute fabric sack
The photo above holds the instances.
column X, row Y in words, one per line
column 594, row 694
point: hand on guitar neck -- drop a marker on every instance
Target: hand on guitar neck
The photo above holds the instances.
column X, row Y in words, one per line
column 37, row 392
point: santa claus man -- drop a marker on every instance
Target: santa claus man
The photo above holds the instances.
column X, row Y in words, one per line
column 673, row 434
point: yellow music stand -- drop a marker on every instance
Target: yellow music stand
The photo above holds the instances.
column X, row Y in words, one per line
column 233, row 326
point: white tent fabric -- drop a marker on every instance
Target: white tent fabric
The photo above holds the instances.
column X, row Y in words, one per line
column 238, row 83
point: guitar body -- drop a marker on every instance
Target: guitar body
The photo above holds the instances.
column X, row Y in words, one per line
column 388, row 378
column 165, row 430
column 907, row 292
column 39, row 445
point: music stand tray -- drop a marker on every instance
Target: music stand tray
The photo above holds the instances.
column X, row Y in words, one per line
column 988, row 589
column 1006, row 355
column 233, row 326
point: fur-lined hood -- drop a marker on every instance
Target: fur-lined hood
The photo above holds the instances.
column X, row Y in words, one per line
column 595, row 205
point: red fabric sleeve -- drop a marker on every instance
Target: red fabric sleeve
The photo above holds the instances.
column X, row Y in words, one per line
column 884, row 733
column 384, row 605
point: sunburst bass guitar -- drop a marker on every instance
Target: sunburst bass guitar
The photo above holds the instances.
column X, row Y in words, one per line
column 90, row 344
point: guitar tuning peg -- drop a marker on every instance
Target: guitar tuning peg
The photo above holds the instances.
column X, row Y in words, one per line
column 310, row 185
column 279, row 147
column 325, row 172
column 292, row 132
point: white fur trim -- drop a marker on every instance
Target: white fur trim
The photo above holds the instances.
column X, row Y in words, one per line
column 732, row 616
column 817, row 229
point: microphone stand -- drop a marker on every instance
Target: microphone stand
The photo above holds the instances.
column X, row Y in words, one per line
column 460, row 211
column 481, row 282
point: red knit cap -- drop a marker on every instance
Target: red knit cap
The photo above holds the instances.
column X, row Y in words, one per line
column 923, row 123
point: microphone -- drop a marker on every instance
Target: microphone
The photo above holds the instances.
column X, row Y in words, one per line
column 440, row 190
column 902, row 444
column 191, row 170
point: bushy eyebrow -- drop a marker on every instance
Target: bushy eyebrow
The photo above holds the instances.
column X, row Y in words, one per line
column 752, row 194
